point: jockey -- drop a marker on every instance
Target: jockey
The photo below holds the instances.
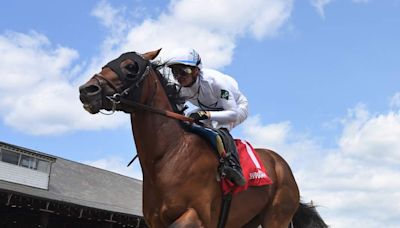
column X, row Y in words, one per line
column 219, row 102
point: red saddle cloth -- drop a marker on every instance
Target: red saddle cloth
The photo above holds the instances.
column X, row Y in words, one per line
column 253, row 170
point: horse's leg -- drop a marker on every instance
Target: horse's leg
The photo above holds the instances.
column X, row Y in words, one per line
column 189, row 219
column 279, row 212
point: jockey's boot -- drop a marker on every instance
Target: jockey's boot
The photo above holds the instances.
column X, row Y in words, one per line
column 232, row 167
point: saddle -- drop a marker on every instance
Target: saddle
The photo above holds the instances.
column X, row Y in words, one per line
column 254, row 175
column 253, row 170
column 213, row 136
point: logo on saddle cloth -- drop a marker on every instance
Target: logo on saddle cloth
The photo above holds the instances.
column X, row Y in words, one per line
column 252, row 168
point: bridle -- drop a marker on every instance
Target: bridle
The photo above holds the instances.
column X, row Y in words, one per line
column 119, row 97
column 125, row 97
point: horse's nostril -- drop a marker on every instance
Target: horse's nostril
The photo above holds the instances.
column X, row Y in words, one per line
column 90, row 90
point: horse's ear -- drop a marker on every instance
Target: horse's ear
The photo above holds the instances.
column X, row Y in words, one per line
column 151, row 55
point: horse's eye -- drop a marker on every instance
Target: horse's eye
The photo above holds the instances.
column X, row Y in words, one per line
column 132, row 68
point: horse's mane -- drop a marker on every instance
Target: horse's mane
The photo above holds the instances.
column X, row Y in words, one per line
column 170, row 88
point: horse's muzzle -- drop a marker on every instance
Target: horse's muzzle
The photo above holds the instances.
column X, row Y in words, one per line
column 91, row 97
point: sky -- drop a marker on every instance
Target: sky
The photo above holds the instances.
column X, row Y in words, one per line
column 321, row 77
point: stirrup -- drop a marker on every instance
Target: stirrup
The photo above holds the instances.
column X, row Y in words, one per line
column 234, row 175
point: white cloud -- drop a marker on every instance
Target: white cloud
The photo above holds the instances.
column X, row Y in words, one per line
column 118, row 165
column 369, row 137
column 39, row 90
column 208, row 26
column 347, row 180
column 117, row 24
column 279, row 137
column 37, row 94
column 320, row 6
column 274, row 135
column 395, row 101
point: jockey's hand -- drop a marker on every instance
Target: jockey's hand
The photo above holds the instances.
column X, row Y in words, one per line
column 200, row 115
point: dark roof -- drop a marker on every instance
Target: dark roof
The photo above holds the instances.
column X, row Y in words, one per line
column 81, row 184
column 27, row 151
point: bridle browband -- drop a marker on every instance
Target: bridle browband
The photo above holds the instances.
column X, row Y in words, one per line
column 122, row 96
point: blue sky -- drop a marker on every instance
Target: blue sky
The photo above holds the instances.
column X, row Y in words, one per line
column 321, row 76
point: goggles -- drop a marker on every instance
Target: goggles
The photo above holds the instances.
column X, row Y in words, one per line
column 181, row 71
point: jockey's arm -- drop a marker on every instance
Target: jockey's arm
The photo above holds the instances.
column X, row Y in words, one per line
column 229, row 114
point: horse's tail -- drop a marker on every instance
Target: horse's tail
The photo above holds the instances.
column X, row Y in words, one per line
column 307, row 216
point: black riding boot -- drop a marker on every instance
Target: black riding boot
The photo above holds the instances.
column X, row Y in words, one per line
column 231, row 167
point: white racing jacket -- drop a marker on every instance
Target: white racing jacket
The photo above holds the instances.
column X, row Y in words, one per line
column 219, row 94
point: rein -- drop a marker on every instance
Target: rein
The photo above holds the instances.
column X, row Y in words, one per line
column 118, row 98
column 140, row 106
column 143, row 69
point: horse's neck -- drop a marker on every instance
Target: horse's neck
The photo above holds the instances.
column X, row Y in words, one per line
column 155, row 135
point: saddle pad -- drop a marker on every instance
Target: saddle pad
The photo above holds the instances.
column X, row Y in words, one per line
column 252, row 168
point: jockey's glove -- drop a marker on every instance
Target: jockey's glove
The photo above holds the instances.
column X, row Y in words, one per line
column 200, row 115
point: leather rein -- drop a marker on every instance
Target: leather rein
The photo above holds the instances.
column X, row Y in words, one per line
column 120, row 98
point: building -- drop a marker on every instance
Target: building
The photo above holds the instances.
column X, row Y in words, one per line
column 40, row 190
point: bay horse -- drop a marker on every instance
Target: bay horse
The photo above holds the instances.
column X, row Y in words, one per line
column 180, row 188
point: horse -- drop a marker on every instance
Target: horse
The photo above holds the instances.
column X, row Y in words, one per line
column 180, row 188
